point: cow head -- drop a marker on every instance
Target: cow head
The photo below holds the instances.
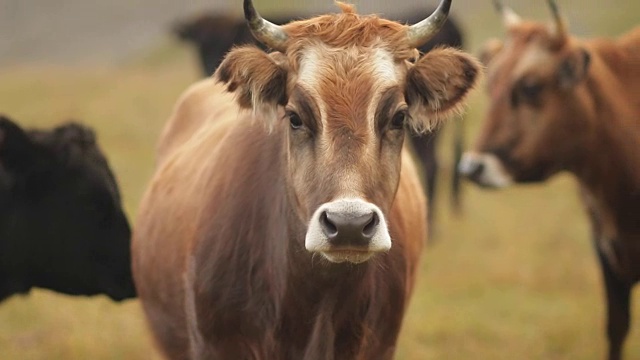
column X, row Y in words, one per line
column 64, row 211
column 344, row 88
column 537, row 115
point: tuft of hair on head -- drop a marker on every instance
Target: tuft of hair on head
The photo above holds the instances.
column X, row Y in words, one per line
column 346, row 8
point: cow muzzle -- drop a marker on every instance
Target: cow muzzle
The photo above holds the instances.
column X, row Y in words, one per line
column 349, row 230
column 485, row 170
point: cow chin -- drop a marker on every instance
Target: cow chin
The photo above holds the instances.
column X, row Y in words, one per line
column 485, row 170
column 348, row 230
column 352, row 256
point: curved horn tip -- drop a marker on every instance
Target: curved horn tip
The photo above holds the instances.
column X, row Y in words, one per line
column 268, row 33
column 418, row 34
column 554, row 7
column 498, row 5
column 509, row 16
column 249, row 11
column 560, row 27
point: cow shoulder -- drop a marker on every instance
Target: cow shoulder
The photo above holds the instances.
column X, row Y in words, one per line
column 202, row 102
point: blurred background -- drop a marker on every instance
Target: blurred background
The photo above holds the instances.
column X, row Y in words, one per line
column 513, row 276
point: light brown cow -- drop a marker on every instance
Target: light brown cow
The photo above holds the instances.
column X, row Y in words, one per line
column 293, row 230
column 559, row 103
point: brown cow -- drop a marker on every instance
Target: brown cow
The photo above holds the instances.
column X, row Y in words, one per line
column 293, row 231
column 563, row 104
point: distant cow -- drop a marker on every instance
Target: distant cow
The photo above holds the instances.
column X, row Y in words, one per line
column 563, row 104
column 61, row 222
column 215, row 34
column 293, row 230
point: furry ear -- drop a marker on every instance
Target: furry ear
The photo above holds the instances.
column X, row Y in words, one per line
column 489, row 50
column 573, row 68
column 15, row 145
column 437, row 86
column 258, row 79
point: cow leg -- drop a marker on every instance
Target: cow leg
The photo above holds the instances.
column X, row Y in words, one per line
column 618, row 298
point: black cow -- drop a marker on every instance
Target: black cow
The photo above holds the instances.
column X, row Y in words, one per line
column 62, row 226
column 215, row 34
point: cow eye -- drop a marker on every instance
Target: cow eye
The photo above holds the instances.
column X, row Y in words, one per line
column 399, row 119
column 294, row 120
column 531, row 90
column 527, row 92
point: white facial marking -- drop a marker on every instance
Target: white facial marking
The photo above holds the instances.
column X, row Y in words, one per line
column 531, row 59
column 385, row 74
column 485, row 169
column 384, row 67
column 309, row 68
column 316, row 241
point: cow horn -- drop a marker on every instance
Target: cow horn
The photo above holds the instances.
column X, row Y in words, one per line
column 559, row 26
column 264, row 31
column 418, row 34
column 509, row 17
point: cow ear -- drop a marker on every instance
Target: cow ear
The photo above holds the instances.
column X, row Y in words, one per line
column 183, row 30
column 574, row 68
column 489, row 50
column 258, row 79
column 14, row 143
column 437, row 86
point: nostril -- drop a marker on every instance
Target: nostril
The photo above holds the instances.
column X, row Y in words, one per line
column 477, row 169
column 370, row 228
column 328, row 228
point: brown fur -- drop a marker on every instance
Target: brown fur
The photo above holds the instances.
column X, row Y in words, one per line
column 219, row 255
column 585, row 118
column 347, row 28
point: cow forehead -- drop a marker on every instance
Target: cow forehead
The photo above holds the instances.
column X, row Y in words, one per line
column 329, row 72
column 516, row 61
column 534, row 58
column 320, row 63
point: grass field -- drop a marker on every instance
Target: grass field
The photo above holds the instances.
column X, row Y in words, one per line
column 513, row 277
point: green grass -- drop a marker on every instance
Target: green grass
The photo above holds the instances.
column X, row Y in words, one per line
column 513, row 277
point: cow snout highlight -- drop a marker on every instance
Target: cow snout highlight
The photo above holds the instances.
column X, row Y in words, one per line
column 484, row 169
column 350, row 230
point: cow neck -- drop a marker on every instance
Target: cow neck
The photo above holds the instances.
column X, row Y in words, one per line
column 610, row 168
column 323, row 305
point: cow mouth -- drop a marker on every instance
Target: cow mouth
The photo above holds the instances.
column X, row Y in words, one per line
column 485, row 169
column 355, row 256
